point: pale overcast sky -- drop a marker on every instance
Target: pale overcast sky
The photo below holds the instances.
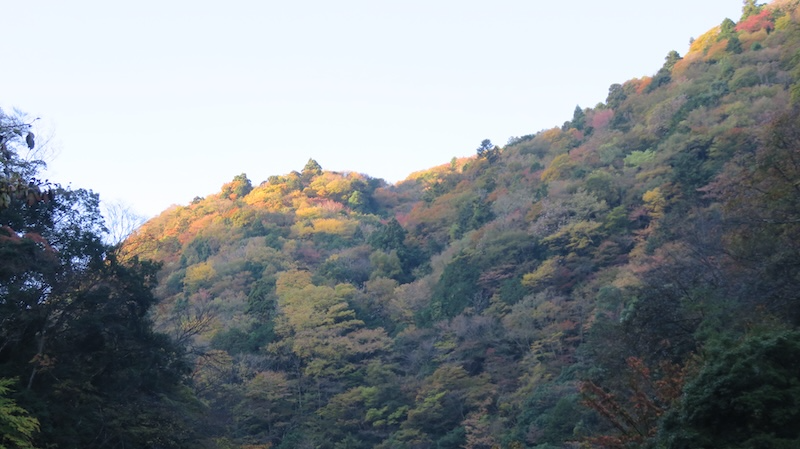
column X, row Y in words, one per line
column 152, row 103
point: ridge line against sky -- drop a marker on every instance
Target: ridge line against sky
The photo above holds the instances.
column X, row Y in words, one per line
column 154, row 103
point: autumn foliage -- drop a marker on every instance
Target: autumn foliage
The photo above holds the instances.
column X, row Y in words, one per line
column 571, row 288
column 757, row 22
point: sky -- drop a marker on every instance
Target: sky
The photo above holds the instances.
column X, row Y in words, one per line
column 153, row 103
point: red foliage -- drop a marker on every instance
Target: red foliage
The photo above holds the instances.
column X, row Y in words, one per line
column 575, row 134
column 583, row 152
column 757, row 22
column 635, row 412
column 601, row 118
column 43, row 243
column 8, row 234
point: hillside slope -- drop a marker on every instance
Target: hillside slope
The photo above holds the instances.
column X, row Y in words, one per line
column 601, row 282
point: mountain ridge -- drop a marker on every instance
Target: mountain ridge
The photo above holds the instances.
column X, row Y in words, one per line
column 592, row 261
column 627, row 279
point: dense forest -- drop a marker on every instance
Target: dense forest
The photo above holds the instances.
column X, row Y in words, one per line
column 629, row 279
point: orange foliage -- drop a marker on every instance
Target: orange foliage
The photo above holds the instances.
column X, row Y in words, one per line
column 438, row 215
column 716, row 50
column 7, row 234
column 230, row 213
column 41, row 241
column 640, row 84
column 195, row 227
column 680, row 67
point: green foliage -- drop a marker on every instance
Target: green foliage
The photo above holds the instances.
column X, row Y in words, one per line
column 603, row 186
column 578, row 119
column 238, row 188
column 488, row 151
column 664, row 74
column 455, row 290
column 17, row 426
column 750, row 8
column 726, row 29
column 19, row 185
column 734, row 45
column 77, row 331
column 745, row 396
column 744, row 77
column 637, row 158
column 198, row 250
column 389, row 237
column 471, row 215
column 671, row 59
column 236, row 341
column 311, row 169
column 616, row 95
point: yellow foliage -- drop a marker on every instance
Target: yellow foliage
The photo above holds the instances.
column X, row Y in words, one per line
column 268, row 196
column 345, row 290
column 655, row 202
column 558, row 168
column 748, row 39
column 550, row 134
column 292, row 280
column 437, row 172
column 330, row 183
column 704, row 41
column 576, row 235
column 198, row 275
column 304, row 209
column 783, row 22
column 334, row 226
column 544, row 273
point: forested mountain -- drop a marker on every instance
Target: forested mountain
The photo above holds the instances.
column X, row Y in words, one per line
column 628, row 279
column 80, row 363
